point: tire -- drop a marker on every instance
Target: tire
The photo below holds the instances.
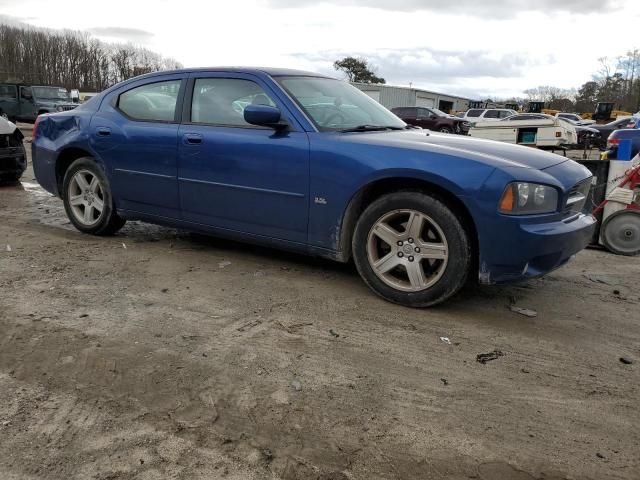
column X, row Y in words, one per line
column 440, row 258
column 621, row 232
column 445, row 130
column 10, row 178
column 88, row 195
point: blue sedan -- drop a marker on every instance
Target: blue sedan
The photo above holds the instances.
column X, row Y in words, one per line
column 311, row 164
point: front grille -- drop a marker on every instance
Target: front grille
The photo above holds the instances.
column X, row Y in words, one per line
column 576, row 199
column 66, row 108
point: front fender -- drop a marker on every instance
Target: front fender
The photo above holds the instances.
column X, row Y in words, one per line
column 339, row 175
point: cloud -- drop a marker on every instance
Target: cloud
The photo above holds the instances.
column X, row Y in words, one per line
column 485, row 8
column 448, row 69
column 128, row 34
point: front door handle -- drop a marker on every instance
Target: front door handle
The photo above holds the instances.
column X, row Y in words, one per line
column 192, row 139
column 103, row 131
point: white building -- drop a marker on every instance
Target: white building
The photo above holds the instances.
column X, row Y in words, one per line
column 392, row 97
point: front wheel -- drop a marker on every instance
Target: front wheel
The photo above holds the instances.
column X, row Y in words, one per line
column 411, row 249
column 87, row 199
column 445, row 130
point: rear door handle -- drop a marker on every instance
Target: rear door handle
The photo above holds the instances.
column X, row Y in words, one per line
column 192, row 138
column 103, row 131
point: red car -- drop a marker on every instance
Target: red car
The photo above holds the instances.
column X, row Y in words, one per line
column 432, row 119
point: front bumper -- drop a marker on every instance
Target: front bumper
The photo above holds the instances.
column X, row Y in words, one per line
column 529, row 250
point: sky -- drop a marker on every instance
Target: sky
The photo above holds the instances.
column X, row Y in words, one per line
column 474, row 48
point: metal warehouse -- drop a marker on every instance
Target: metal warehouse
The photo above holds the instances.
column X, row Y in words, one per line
column 392, row 97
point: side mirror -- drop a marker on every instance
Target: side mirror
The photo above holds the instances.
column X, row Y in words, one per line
column 264, row 116
column 433, row 117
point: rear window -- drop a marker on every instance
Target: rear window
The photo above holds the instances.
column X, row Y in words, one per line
column 405, row 112
column 474, row 113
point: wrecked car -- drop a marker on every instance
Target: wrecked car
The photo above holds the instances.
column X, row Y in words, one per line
column 311, row 164
column 13, row 159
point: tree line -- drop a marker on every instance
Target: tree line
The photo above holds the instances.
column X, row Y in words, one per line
column 617, row 81
column 72, row 59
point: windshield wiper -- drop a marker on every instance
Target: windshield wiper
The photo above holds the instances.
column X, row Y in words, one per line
column 370, row 128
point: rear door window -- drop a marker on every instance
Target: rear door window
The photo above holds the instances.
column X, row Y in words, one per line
column 155, row 102
column 8, row 92
column 492, row 114
column 474, row 113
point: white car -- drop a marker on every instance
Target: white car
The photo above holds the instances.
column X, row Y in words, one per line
column 475, row 115
column 13, row 159
column 535, row 130
column 576, row 118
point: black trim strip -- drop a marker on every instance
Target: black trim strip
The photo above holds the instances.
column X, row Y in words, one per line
column 242, row 187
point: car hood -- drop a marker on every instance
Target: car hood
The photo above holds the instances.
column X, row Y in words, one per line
column 6, row 127
column 497, row 154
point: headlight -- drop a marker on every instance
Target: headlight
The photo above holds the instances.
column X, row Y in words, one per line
column 466, row 124
column 59, row 108
column 520, row 198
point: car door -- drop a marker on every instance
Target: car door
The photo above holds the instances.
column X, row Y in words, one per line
column 135, row 132
column 236, row 176
column 426, row 118
column 409, row 115
column 8, row 101
column 26, row 104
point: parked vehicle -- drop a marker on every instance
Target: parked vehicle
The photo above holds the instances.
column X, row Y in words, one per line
column 312, row 164
column 13, row 159
column 608, row 128
column 531, row 129
column 475, row 115
column 26, row 102
column 577, row 119
column 432, row 119
column 588, row 136
column 614, row 140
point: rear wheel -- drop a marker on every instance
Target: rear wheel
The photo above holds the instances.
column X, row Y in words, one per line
column 621, row 232
column 87, row 199
column 411, row 249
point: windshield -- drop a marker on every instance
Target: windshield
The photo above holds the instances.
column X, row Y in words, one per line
column 335, row 105
column 439, row 113
column 51, row 93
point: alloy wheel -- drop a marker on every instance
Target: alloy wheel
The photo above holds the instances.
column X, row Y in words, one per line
column 407, row 250
column 86, row 197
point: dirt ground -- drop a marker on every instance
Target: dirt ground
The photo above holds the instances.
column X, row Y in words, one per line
column 159, row 354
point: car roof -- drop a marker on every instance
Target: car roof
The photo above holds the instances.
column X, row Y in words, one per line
column 274, row 72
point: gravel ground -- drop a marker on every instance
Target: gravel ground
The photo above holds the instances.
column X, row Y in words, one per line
column 160, row 354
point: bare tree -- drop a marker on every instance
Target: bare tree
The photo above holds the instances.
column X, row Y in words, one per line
column 71, row 59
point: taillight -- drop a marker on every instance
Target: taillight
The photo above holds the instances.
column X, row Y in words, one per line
column 35, row 128
column 613, row 141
